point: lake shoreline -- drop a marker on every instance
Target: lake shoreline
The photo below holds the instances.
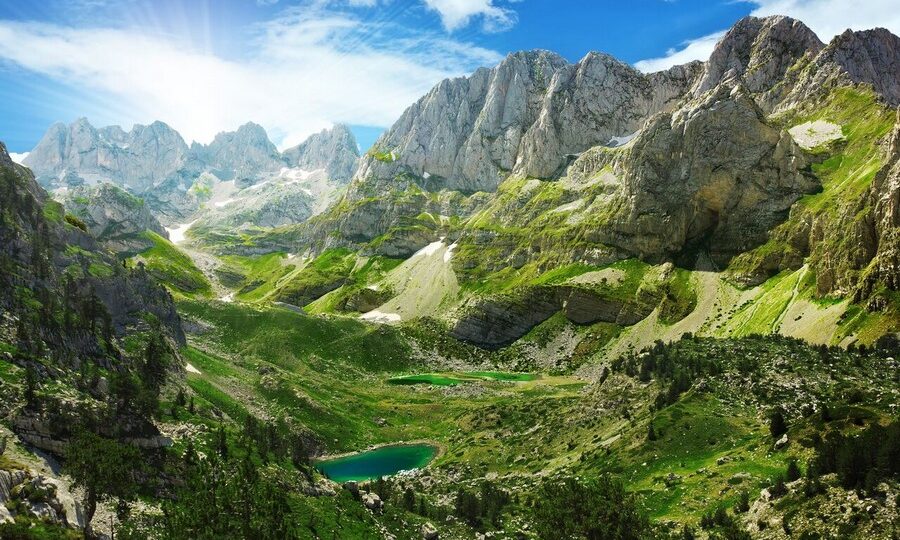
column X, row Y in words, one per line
column 440, row 448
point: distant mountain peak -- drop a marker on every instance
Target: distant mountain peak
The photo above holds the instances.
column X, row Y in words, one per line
column 333, row 149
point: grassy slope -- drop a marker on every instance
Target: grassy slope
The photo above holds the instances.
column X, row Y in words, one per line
column 331, row 375
column 173, row 268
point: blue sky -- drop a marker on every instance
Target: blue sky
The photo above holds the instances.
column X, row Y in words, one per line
column 296, row 67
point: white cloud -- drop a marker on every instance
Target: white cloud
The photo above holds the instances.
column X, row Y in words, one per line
column 697, row 49
column 827, row 18
column 306, row 69
column 456, row 14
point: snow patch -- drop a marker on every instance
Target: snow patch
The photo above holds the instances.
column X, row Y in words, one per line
column 256, row 186
column 191, row 369
column 430, row 249
column 18, row 157
column 176, row 234
column 449, row 253
column 812, row 134
column 380, row 317
column 226, row 202
column 228, row 298
column 621, row 140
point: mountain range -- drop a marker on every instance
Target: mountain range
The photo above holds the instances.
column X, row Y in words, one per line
column 155, row 163
column 553, row 300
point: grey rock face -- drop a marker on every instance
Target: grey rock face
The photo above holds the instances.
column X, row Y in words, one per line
column 137, row 160
column 870, row 57
column 760, row 52
column 27, row 237
column 523, row 117
column 869, row 259
column 154, row 163
column 493, row 322
column 114, row 217
column 713, row 174
column 241, row 154
column 334, row 150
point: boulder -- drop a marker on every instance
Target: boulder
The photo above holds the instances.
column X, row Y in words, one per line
column 782, row 442
column 429, row 532
column 372, row 501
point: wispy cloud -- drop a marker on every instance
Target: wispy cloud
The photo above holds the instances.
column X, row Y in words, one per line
column 302, row 71
column 457, row 14
column 826, row 18
column 696, row 49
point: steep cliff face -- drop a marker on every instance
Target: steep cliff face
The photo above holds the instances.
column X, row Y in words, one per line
column 241, row 154
column 870, row 57
column 138, row 160
column 866, row 265
column 714, row 175
column 113, row 216
column 60, row 288
column 760, row 52
column 522, row 117
column 333, row 150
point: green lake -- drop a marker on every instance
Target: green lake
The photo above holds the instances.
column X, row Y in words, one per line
column 376, row 463
column 452, row 379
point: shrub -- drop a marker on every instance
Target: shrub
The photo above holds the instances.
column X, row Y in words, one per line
column 75, row 222
column 600, row 509
column 777, row 424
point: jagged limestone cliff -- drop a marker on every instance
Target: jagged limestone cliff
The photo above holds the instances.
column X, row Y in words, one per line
column 761, row 160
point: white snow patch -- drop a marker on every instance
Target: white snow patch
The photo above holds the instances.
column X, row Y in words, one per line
column 373, row 287
column 191, row 369
column 430, row 249
column 298, row 175
column 426, row 175
column 621, row 139
column 257, row 186
column 226, row 202
column 176, row 234
column 228, row 298
column 18, row 157
column 449, row 253
column 380, row 317
column 812, row 134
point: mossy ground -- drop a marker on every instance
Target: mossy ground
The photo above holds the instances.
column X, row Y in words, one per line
column 330, row 375
column 173, row 268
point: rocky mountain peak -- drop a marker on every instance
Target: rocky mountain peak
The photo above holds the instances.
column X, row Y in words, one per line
column 525, row 116
column 869, row 56
column 335, row 150
column 114, row 217
column 5, row 160
column 760, row 50
column 79, row 152
column 242, row 153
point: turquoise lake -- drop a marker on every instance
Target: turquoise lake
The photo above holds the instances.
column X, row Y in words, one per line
column 372, row 464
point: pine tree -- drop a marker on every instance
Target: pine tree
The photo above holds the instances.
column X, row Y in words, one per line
column 222, row 443
column 777, row 424
column 793, row 471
